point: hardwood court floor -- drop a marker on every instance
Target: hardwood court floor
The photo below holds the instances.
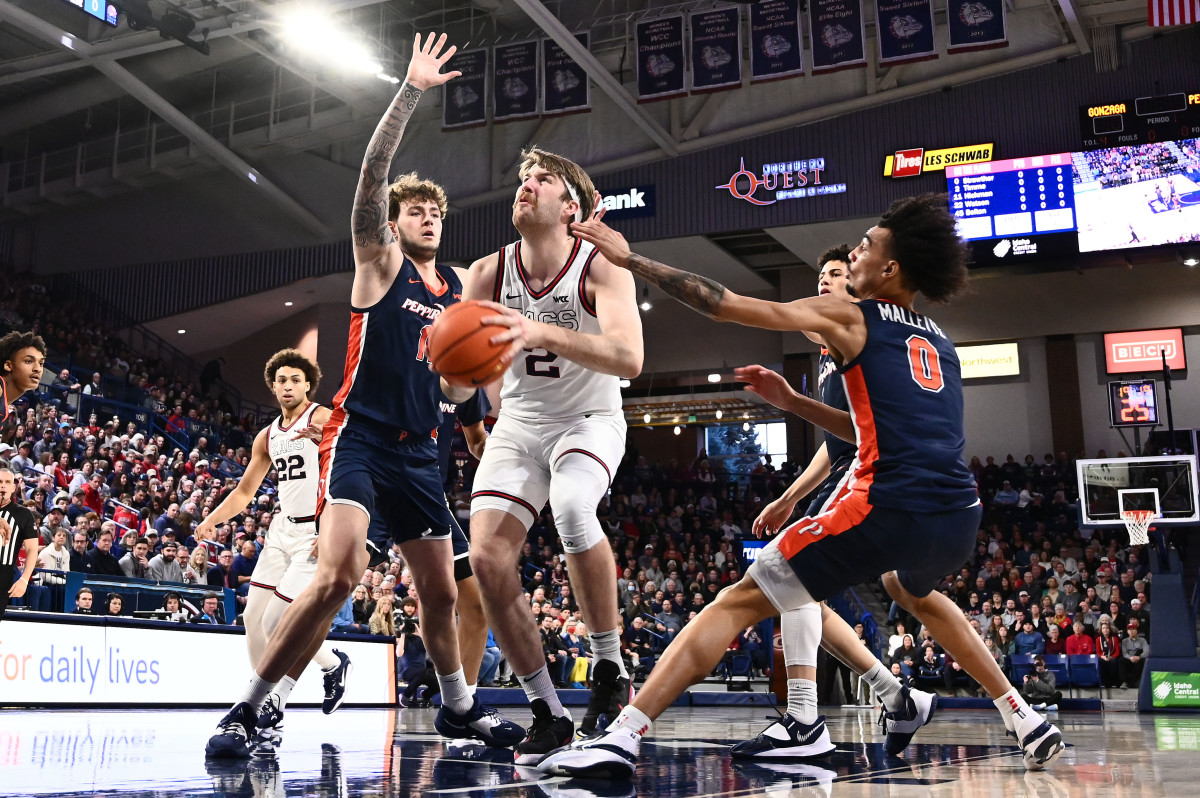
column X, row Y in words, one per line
column 159, row 754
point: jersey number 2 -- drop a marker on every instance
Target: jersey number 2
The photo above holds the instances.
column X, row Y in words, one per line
column 536, row 364
column 291, row 468
column 926, row 367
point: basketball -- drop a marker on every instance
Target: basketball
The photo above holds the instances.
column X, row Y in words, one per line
column 460, row 347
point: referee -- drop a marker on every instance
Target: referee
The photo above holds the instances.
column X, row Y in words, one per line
column 18, row 532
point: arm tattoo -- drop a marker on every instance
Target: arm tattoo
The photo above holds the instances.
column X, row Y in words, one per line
column 698, row 293
column 368, row 220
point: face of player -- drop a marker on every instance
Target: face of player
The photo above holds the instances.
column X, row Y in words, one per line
column 871, row 265
column 24, row 370
column 8, row 486
column 419, row 229
column 833, row 279
column 291, row 387
column 539, row 201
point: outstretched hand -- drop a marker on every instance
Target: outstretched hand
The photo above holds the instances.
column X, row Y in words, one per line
column 612, row 245
column 425, row 68
column 773, row 517
column 770, row 385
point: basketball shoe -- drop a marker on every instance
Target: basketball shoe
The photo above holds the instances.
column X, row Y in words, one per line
column 1041, row 741
column 269, row 735
column 787, row 738
column 480, row 722
column 547, row 734
column 901, row 725
column 335, row 684
column 234, row 734
column 611, row 756
column 610, row 693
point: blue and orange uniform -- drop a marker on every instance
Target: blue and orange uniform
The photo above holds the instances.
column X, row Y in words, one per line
column 379, row 451
column 832, row 392
column 909, row 503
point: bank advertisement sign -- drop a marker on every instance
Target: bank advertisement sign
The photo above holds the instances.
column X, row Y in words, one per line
column 1172, row 689
column 43, row 663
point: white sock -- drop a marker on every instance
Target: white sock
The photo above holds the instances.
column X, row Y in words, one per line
column 802, row 700
column 1010, row 703
column 607, row 645
column 325, row 658
column 471, row 689
column 886, row 686
column 538, row 685
column 283, row 690
column 632, row 719
column 256, row 692
column 455, row 695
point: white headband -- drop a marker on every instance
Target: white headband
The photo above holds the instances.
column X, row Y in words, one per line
column 574, row 195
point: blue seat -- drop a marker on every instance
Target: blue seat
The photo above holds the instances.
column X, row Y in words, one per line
column 1057, row 664
column 1085, row 670
column 739, row 669
column 1020, row 666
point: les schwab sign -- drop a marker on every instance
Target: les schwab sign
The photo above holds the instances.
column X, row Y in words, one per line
column 910, row 163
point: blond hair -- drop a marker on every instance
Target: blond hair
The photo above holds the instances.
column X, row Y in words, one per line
column 412, row 188
column 568, row 171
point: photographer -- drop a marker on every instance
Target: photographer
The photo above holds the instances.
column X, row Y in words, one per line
column 417, row 669
column 1040, row 687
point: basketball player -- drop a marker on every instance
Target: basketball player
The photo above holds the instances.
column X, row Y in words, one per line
column 904, row 710
column 22, row 356
column 379, row 450
column 572, row 321
column 287, row 563
column 912, row 510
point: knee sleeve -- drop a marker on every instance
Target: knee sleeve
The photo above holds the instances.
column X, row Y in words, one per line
column 801, row 632
column 576, row 484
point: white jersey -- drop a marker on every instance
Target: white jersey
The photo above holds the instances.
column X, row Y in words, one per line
column 540, row 384
column 297, row 465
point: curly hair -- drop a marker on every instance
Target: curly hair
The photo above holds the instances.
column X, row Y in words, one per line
column 294, row 359
column 568, row 171
column 925, row 242
column 412, row 188
column 16, row 341
column 839, row 252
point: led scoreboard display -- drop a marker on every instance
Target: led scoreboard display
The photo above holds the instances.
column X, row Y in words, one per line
column 1018, row 210
column 1133, row 404
column 1141, row 121
column 101, row 10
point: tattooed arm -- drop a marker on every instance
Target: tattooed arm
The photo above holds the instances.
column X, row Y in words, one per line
column 836, row 321
column 373, row 237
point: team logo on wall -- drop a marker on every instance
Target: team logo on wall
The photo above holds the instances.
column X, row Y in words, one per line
column 781, row 181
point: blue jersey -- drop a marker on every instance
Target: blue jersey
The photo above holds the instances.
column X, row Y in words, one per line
column 467, row 413
column 832, row 392
column 387, row 378
column 905, row 394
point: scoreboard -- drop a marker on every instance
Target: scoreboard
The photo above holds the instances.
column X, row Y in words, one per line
column 100, row 9
column 1143, row 120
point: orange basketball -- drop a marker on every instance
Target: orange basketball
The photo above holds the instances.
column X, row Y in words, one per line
column 460, row 347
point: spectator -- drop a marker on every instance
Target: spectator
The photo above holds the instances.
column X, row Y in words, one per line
column 344, row 620
column 136, row 564
column 100, row 561
column 1080, row 642
column 1029, row 641
column 221, row 574
column 243, row 569
column 164, row 566
column 490, row 665
column 363, row 607
column 55, row 557
column 1134, row 650
column 1040, row 687
column 196, row 572
column 1055, row 644
column 382, row 621
column 79, row 547
column 931, row 671
column 1108, row 649
column 1138, row 613
column 210, row 610
column 83, row 602
column 113, row 604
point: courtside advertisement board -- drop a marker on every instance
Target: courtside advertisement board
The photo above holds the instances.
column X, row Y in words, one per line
column 43, row 663
column 1171, row 689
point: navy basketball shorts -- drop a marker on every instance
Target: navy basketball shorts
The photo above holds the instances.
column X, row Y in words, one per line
column 390, row 475
column 378, row 535
column 835, row 486
column 853, row 542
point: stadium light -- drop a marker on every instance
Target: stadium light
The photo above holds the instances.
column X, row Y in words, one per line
column 719, row 414
column 313, row 35
column 714, row 377
column 678, row 430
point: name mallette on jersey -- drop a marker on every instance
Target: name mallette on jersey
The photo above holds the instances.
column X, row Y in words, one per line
column 895, row 313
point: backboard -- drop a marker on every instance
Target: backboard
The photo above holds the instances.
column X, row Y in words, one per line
column 1166, row 484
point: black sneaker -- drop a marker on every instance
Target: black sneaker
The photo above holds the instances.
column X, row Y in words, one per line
column 900, row 726
column 787, row 738
column 335, row 684
column 480, row 722
column 547, row 734
column 234, row 734
column 611, row 692
column 270, row 728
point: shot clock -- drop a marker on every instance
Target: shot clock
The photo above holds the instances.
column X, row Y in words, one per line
column 1132, row 403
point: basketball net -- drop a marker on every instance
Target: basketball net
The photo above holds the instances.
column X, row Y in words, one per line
column 1138, row 523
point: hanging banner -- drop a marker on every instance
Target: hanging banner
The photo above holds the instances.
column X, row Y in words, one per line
column 660, row 58
column 566, row 81
column 463, row 98
column 837, row 34
column 716, row 49
column 904, row 30
column 976, row 25
column 515, row 81
column 775, row 50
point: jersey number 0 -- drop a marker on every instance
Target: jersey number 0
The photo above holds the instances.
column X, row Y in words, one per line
column 926, row 365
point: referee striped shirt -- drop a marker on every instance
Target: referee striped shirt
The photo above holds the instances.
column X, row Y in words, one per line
column 23, row 529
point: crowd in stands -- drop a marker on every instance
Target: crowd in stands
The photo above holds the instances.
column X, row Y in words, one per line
column 1120, row 166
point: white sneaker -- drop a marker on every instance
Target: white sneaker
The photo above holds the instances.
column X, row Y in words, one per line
column 901, row 725
column 612, row 756
column 787, row 738
column 1041, row 742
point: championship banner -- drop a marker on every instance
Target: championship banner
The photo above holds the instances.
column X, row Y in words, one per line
column 463, row 98
column 976, row 25
column 566, row 81
column 775, row 50
column 904, row 30
column 837, row 34
column 716, row 49
column 515, row 81
column 660, row 58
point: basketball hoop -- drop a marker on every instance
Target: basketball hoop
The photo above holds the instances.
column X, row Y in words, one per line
column 1138, row 523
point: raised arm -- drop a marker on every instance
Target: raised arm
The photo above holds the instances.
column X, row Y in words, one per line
column 373, row 238
column 243, row 494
